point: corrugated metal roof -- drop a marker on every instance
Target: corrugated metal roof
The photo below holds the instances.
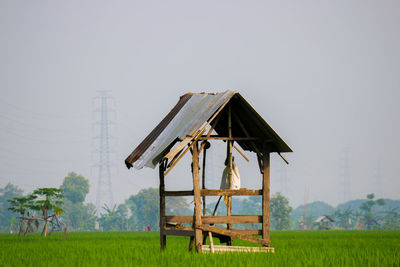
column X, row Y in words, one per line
column 190, row 115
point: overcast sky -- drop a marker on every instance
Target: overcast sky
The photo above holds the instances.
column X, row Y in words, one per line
column 324, row 74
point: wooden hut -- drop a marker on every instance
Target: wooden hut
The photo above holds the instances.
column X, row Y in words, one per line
column 324, row 222
column 196, row 119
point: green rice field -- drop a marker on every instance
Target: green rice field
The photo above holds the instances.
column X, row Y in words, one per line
column 292, row 248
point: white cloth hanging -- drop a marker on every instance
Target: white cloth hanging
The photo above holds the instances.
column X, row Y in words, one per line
column 235, row 178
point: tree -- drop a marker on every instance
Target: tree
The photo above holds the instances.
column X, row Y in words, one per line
column 345, row 218
column 280, row 211
column 131, row 215
column 369, row 218
column 49, row 199
column 115, row 218
column 79, row 216
column 392, row 219
column 21, row 205
column 6, row 193
column 147, row 208
column 177, row 206
column 75, row 187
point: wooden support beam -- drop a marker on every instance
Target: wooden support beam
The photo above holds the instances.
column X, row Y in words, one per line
column 247, row 232
column 179, row 232
column 230, row 249
column 232, row 234
column 241, row 153
column 175, row 150
column 246, row 132
column 287, row 162
column 179, row 193
column 172, row 164
column 211, row 242
column 234, row 138
column 215, row 219
column 197, row 199
column 209, row 132
column 163, row 239
column 170, row 226
column 230, row 192
column 266, row 199
column 194, row 136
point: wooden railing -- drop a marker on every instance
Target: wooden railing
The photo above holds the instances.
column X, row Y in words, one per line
column 215, row 219
column 217, row 192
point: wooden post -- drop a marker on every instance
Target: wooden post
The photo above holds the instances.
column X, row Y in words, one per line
column 265, row 198
column 163, row 239
column 230, row 164
column 197, row 198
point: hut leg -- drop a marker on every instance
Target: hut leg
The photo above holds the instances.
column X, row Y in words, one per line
column 229, row 213
column 197, row 199
column 163, row 239
column 230, row 164
column 191, row 243
column 265, row 198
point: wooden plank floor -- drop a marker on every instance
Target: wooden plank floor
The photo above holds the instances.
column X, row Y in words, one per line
column 219, row 249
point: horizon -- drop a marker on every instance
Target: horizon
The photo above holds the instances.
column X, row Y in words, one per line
column 324, row 75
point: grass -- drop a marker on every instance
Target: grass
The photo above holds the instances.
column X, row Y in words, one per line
column 293, row 248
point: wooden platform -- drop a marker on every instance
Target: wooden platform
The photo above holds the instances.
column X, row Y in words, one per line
column 221, row 249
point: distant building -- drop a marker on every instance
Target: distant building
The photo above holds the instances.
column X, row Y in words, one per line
column 324, row 222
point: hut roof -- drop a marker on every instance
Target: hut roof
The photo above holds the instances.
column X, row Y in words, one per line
column 324, row 218
column 189, row 118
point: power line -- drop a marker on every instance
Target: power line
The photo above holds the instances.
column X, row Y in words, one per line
column 29, row 138
column 37, row 126
column 39, row 115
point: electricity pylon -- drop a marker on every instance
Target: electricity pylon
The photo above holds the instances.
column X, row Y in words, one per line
column 102, row 125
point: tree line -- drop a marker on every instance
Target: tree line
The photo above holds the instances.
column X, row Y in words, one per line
column 138, row 212
column 141, row 211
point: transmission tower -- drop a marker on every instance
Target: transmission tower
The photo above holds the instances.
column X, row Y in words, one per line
column 102, row 125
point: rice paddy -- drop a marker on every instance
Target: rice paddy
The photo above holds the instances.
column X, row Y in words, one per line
column 292, row 248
